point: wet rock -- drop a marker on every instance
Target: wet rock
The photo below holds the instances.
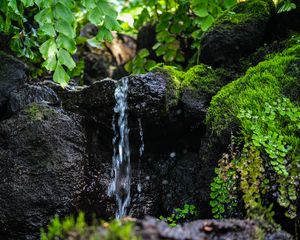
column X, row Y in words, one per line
column 20, row 98
column 153, row 95
column 41, row 169
column 199, row 85
column 236, row 33
column 12, row 76
column 154, row 229
column 95, row 102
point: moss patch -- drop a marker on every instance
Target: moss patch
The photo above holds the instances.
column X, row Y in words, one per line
column 38, row 111
column 173, row 84
column 245, row 12
column 263, row 83
column 202, row 78
column 264, row 104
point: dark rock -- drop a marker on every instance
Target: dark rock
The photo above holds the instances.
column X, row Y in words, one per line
column 95, row 102
column 152, row 96
column 285, row 23
column 236, row 33
column 151, row 228
column 12, row 76
column 41, row 169
column 20, row 98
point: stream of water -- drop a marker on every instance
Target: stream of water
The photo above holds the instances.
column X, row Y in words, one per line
column 121, row 169
column 142, row 148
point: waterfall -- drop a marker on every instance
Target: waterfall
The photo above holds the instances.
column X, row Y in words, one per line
column 142, row 148
column 121, row 170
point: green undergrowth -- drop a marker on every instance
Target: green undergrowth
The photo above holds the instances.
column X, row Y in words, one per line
column 72, row 228
column 264, row 157
column 180, row 215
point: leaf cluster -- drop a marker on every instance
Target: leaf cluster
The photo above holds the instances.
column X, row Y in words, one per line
column 180, row 214
column 179, row 25
column 49, row 29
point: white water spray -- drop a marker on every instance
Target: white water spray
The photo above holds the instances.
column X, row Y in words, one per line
column 142, row 148
column 121, row 170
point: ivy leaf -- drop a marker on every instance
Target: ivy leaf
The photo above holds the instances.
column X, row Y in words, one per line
column 111, row 23
column 44, row 16
column 229, row 3
column 60, row 76
column 107, row 9
column 62, row 12
column 65, row 28
column 67, row 43
column 149, row 65
column 104, row 34
column 201, row 12
column 208, row 21
column 95, row 16
column 65, row 59
column 143, row 53
column 27, row 3
column 48, row 49
column 89, row 4
column 50, row 63
column 48, row 29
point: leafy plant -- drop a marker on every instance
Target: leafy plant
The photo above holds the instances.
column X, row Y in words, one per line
column 269, row 146
column 71, row 228
column 179, row 25
column 285, row 6
column 140, row 64
column 188, row 210
column 52, row 27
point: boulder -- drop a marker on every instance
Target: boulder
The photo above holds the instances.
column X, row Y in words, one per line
column 20, row 98
column 238, row 32
column 42, row 159
column 12, row 77
column 209, row 230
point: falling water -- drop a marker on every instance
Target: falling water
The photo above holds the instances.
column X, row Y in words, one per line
column 142, row 147
column 120, row 184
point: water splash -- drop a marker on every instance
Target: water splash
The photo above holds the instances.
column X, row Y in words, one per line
column 142, row 148
column 121, row 170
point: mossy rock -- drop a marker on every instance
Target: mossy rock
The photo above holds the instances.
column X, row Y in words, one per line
column 174, row 78
column 276, row 77
column 199, row 84
column 237, row 32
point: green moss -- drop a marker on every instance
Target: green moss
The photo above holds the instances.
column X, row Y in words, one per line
column 263, row 83
column 245, row 12
column 173, row 87
column 38, row 111
column 202, row 78
column 264, row 104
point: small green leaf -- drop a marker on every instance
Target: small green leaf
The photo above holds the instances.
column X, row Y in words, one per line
column 65, row 28
column 65, row 59
column 201, row 12
column 60, row 76
column 208, row 21
column 62, row 12
column 67, row 43
column 143, row 53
